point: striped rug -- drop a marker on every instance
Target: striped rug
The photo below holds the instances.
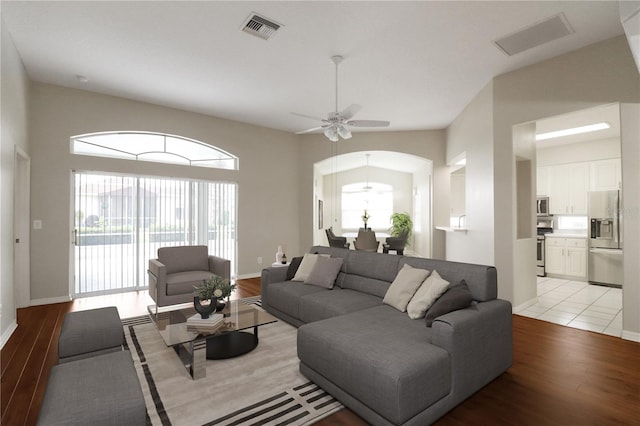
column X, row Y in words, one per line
column 263, row 387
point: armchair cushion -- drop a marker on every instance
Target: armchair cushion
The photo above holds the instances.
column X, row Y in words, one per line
column 185, row 282
column 184, row 258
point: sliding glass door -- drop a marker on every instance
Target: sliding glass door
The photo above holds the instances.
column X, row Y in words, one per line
column 121, row 221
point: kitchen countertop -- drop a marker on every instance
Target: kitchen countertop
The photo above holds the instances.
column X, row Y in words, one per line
column 565, row 235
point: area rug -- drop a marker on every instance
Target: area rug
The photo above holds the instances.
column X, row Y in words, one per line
column 263, row 387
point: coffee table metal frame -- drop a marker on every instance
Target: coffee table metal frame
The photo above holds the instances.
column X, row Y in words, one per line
column 195, row 344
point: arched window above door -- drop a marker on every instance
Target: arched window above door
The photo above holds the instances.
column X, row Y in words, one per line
column 157, row 147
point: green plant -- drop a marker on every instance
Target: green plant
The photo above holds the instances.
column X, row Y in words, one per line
column 216, row 286
column 399, row 222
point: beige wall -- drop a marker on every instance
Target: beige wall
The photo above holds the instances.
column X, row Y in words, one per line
column 14, row 89
column 472, row 132
column 599, row 74
column 429, row 144
column 267, row 188
column 601, row 149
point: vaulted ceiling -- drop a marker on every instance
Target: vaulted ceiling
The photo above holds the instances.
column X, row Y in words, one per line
column 416, row 64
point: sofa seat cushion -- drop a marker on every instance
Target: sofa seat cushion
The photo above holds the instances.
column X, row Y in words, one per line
column 328, row 304
column 380, row 357
column 184, row 282
column 285, row 296
column 102, row 390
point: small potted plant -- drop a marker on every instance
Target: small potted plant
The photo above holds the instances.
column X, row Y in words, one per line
column 206, row 296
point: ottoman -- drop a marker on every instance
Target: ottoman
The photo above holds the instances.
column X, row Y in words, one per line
column 96, row 391
column 90, row 333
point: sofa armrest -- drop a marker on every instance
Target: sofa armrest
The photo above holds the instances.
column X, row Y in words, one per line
column 270, row 275
column 220, row 267
column 479, row 340
column 157, row 280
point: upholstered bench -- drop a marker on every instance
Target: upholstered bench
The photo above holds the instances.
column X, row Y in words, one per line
column 100, row 390
column 89, row 333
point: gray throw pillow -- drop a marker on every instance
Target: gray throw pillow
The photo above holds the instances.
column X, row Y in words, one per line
column 293, row 267
column 324, row 272
column 455, row 298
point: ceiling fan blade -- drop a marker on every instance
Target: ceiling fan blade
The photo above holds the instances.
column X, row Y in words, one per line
column 313, row 129
column 350, row 111
column 368, row 123
column 309, row 116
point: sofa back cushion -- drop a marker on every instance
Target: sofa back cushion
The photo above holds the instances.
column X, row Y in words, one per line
column 481, row 279
column 184, row 258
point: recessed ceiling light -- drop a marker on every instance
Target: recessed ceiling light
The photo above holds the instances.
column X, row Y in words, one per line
column 573, row 131
column 82, row 78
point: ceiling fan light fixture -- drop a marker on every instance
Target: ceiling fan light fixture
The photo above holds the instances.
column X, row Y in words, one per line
column 344, row 132
column 331, row 134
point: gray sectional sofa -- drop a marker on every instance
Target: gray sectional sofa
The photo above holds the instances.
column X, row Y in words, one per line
column 386, row 367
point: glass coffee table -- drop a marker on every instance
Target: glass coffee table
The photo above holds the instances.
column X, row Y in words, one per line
column 195, row 344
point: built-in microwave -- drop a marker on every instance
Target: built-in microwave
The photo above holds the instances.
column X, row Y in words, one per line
column 542, row 206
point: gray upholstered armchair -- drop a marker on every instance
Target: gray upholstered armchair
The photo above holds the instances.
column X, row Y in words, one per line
column 396, row 243
column 177, row 270
column 366, row 240
column 335, row 241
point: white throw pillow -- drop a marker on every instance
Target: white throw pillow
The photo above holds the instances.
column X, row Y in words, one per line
column 306, row 266
column 404, row 287
column 432, row 288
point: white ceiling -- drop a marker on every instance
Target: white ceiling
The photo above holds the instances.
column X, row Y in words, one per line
column 416, row 63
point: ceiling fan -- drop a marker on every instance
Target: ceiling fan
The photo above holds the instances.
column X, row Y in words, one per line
column 338, row 123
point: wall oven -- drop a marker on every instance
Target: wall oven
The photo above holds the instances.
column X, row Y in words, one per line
column 540, row 259
column 544, row 226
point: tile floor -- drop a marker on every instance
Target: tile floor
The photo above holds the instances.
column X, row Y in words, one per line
column 578, row 304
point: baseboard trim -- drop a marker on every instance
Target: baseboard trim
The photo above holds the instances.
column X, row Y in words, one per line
column 631, row 335
column 246, row 276
column 50, row 300
column 521, row 307
column 8, row 332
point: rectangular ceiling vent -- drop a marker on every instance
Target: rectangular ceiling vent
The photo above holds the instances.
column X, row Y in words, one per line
column 260, row 26
column 535, row 35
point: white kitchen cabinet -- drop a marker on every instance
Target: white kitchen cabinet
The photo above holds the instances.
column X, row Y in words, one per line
column 566, row 256
column 568, row 187
column 606, row 175
column 542, row 181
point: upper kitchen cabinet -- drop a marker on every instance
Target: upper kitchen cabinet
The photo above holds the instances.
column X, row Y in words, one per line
column 606, row 175
column 568, row 185
column 542, row 181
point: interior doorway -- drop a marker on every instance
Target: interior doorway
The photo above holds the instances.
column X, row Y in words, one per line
column 21, row 226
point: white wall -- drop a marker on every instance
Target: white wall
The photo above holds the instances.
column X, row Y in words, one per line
column 267, row 187
column 630, row 139
column 14, row 111
column 423, row 224
column 429, row 144
column 601, row 149
column 472, row 132
column 557, row 86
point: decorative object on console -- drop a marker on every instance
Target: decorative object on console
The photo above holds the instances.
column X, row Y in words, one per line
column 365, row 218
column 280, row 253
column 205, row 309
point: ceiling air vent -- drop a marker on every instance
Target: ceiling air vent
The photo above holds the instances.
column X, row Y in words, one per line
column 535, row 35
column 260, row 26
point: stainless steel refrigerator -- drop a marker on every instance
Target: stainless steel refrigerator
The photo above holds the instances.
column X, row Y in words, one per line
column 605, row 238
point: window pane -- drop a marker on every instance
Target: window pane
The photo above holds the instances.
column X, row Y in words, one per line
column 378, row 201
column 153, row 147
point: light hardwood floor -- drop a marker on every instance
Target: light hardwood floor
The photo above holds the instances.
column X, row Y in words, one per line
column 560, row 375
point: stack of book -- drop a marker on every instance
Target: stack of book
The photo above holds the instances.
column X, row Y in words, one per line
column 196, row 323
